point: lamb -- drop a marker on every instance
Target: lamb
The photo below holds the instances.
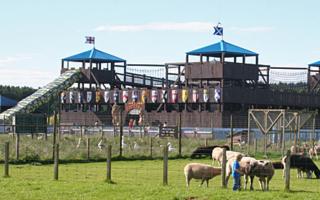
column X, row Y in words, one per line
column 303, row 164
column 200, row 171
column 217, row 154
column 264, row 170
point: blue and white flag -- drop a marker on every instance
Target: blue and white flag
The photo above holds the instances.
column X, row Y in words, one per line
column 218, row 30
column 90, row 40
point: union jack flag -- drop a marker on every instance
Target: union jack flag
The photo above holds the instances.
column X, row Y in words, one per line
column 90, row 39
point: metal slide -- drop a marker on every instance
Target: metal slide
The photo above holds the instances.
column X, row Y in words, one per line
column 43, row 95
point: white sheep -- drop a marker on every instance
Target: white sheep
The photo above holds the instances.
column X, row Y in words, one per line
column 217, row 154
column 200, row 171
column 244, row 166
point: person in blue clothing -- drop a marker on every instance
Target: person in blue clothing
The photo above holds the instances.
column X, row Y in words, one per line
column 236, row 173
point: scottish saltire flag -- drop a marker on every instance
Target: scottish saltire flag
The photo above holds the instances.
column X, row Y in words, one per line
column 90, row 39
column 218, row 30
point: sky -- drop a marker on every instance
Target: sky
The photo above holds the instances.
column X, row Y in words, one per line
column 36, row 34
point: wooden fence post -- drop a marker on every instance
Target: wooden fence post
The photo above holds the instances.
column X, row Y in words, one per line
column 248, row 137
column 6, row 159
column 46, row 128
column 255, row 146
column 206, row 142
column 56, row 163
column 81, row 131
column 121, row 133
column 287, row 172
column 54, row 141
column 180, row 133
column 109, row 163
column 165, row 165
column 231, row 132
column 151, row 146
column 88, row 149
column 17, row 145
column 223, row 168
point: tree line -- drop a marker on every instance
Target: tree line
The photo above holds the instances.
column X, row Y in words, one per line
column 16, row 92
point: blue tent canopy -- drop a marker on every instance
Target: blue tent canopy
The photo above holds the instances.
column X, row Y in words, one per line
column 6, row 102
column 315, row 64
column 94, row 55
column 216, row 50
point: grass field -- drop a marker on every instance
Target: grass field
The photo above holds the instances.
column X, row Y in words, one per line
column 136, row 180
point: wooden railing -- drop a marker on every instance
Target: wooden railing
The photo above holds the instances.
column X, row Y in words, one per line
column 143, row 80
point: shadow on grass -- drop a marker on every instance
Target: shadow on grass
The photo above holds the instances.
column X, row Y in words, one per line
column 301, row 191
column 110, row 182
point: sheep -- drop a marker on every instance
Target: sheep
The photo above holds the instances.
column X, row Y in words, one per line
column 264, row 170
column 313, row 152
column 244, row 166
column 299, row 149
column 204, row 151
column 217, row 154
column 303, row 164
column 200, row 171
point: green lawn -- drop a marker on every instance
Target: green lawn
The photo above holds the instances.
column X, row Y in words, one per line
column 135, row 180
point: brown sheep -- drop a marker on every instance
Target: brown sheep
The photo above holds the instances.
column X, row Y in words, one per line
column 264, row 170
column 200, row 171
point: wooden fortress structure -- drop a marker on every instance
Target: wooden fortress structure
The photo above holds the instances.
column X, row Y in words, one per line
column 213, row 82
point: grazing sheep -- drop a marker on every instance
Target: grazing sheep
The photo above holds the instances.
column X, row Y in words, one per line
column 303, row 164
column 217, row 155
column 299, row 149
column 200, row 171
column 313, row 152
column 264, row 170
column 244, row 166
column 205, row 151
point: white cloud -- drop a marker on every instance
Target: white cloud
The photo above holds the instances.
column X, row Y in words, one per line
column 176, row 26
column 26, row 77
column 13, row 59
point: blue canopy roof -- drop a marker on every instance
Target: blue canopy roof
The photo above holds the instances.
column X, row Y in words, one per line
column 5, row 101
column 316, row 64
column 215, row 50
column 94, row 55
